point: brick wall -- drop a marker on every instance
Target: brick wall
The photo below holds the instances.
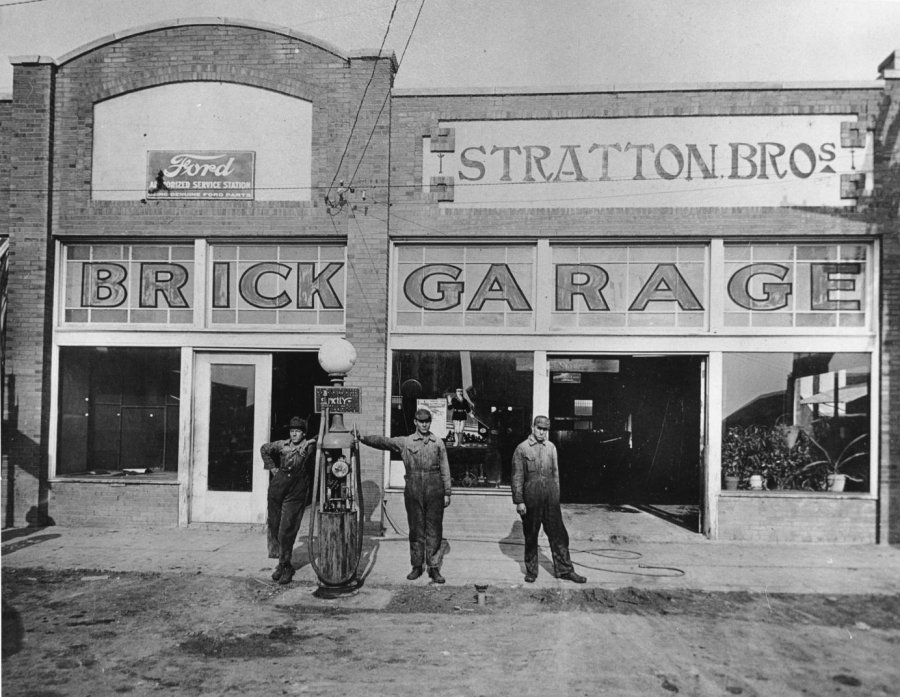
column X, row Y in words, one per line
column 886, row 213
column 54, row 105
column 806, row 518
column 105, row 504
column 30, row 294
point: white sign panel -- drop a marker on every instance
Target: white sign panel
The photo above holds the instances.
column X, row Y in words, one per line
column 691, row 161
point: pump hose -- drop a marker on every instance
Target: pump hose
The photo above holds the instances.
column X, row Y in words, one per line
column 593, row 552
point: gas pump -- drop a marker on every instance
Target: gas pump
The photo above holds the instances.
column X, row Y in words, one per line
column 336, row 520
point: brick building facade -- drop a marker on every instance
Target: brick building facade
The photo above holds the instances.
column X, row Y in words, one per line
column 617, row 257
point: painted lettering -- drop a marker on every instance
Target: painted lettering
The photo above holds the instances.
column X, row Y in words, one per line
column 676, row 155
column 499, row 284
column 570, row 154
column 639, row 157
column 449, row 292
column 165, row 279
column 249, row 285
column 535, row 161
column 477, row 165
column 775, row 295
column 585, row 280
column 666, row 284
column 707, row 171
column 506, row 150
column 748, row 156
column 102, row 285
column 766, row 157
column 604, row 157
column 309, row 285
column 194, row 165
column 221, row 284
column 825, row 279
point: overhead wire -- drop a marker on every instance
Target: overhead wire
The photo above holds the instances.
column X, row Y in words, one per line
column 363, row 99
column 387, row 95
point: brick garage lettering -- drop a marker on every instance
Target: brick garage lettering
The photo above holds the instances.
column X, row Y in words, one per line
column 441, row 287
column 106, row 285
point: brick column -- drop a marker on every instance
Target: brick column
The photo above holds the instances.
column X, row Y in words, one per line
column 887, row 222
column 30, row 292
column 367, row 262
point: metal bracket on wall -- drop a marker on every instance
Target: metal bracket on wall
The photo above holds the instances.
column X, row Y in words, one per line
column 853, row 134
column 852, row 185
column 443, row 187
column 443, row 139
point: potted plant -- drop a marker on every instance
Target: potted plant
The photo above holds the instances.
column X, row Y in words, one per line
column 766, row 457
column 732, row 458
column 831, row 468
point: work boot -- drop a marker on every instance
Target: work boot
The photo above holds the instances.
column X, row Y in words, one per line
column 287, row 575
column 572, row 576
column 276, row 575
column 436, row 576
column 414, row 574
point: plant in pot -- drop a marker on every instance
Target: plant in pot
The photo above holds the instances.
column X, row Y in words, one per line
column 767, row 457
column 736, row 453
column 831, row 468
column 789, row 455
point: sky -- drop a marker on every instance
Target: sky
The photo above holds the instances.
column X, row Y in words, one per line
column 522, row 43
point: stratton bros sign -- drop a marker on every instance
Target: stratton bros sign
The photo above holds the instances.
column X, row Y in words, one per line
column 200, row 174
column 649, row 162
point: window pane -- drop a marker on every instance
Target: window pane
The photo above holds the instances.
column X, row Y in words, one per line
column 231, row 412
column 795, row 419
column 499, row 384
column 118, row 409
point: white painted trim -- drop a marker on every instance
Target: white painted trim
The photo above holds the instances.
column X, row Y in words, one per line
column 540, row 402
column 201, row 282
column 544, row 284
column 714, row 401
column 633, row 344
column 715, row 302
column 211, row 341
column 185, row 435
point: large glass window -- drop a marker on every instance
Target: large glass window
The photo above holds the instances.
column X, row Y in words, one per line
column 118, row 410
column 797, row 421
column 494, row 407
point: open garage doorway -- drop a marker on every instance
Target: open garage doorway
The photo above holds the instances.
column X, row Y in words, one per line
column 294, row 375
column 629, row 432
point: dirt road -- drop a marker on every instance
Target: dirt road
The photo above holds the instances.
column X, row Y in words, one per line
column 98, row 633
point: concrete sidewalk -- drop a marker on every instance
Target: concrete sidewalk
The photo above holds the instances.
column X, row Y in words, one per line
column 697, row 565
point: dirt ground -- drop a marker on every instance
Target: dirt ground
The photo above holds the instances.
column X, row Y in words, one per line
column 100, row 633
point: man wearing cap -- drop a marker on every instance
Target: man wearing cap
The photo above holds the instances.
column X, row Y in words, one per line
column 290, row 463
column 427, row 492
column 535, row 491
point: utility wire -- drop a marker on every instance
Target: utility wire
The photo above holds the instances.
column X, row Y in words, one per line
column 363, row 99
column 387, row 95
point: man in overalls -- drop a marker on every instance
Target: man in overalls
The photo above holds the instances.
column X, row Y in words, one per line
column 535, row 491
column 290, row 462
column 427, row 492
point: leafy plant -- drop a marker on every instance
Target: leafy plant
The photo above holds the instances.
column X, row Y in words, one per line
column 837, row 464
column 779, row 454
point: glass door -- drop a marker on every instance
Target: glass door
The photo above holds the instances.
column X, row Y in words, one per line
column 231, row 421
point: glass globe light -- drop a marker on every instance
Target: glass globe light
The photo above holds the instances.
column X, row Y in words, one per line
column 337, row 356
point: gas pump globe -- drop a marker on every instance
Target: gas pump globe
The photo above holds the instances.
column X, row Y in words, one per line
column 336, row 522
